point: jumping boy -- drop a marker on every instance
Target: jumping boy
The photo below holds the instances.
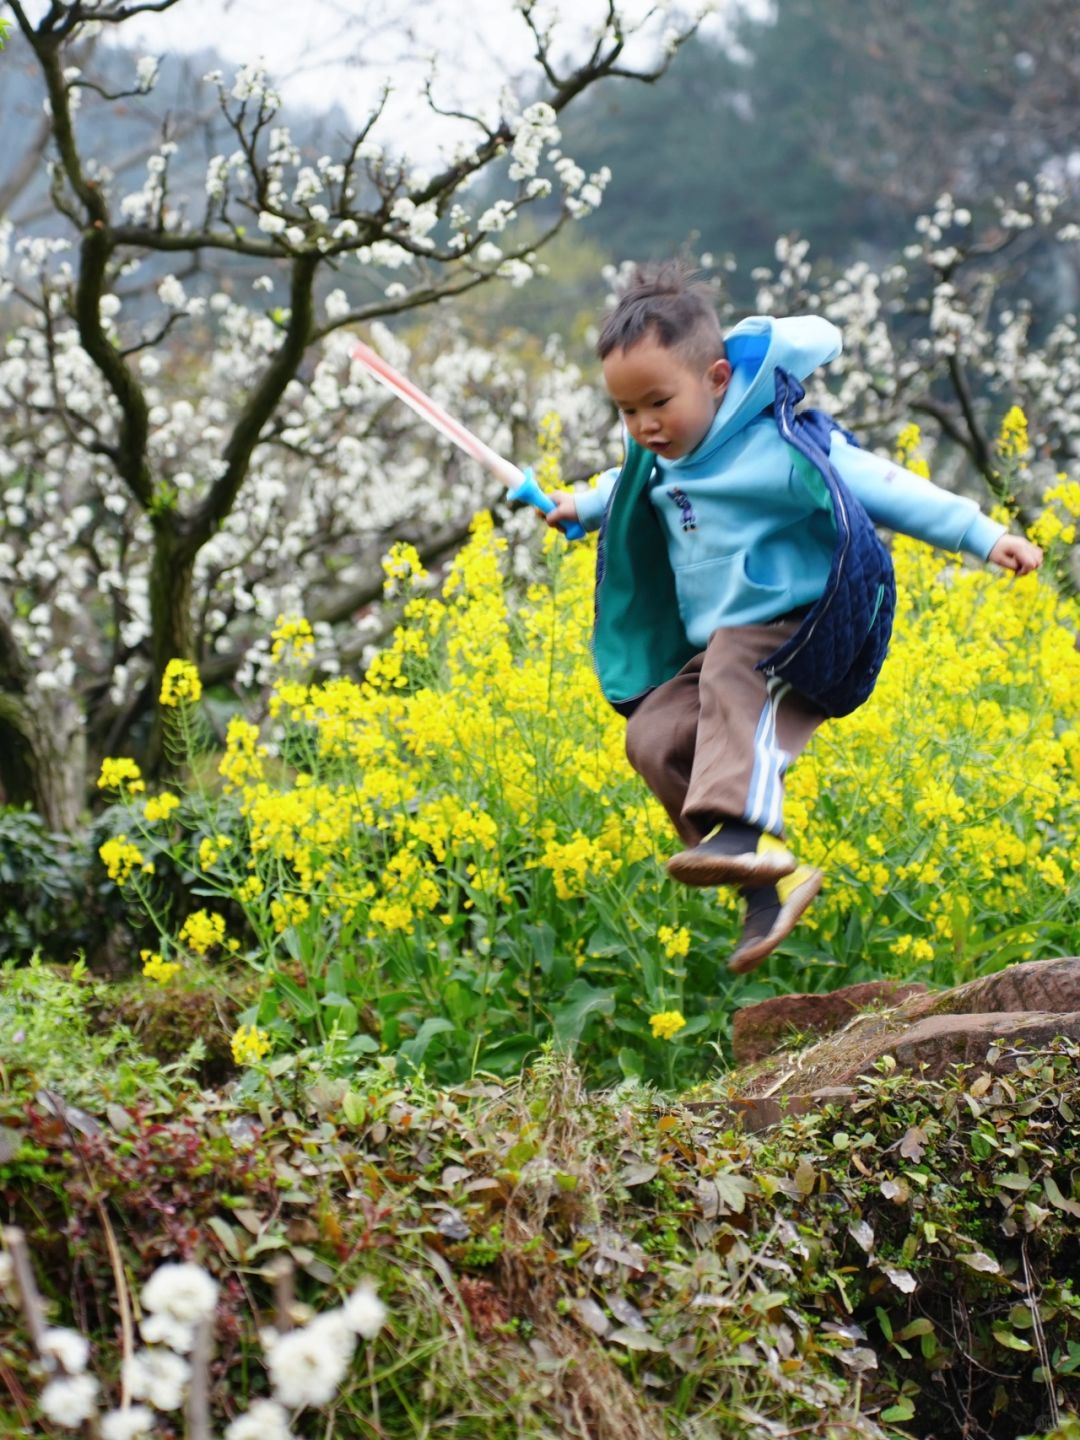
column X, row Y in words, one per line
column 742, row 594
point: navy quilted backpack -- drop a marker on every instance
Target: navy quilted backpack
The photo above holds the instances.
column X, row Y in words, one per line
column 835, row 655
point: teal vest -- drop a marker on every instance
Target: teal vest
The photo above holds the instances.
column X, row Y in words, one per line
column 638, row 636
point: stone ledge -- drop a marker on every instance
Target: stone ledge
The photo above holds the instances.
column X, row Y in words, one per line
column 1025, row 1005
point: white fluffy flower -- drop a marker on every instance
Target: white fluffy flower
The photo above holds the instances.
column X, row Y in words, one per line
column 266, row 1420
column 71, row 1349
column 70, row 1401
column 364, row 1312
column 158, row 1376
column 307, row 1365
column 131, row 1424
column 185, row 1291
column 165, row 1329
column 171, row 293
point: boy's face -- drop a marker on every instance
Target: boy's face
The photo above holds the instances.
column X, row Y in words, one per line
column 667, row 403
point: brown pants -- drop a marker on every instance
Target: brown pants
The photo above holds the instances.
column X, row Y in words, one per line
column 715, row 741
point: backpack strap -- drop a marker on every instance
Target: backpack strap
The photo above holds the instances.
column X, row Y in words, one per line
column 837, row 652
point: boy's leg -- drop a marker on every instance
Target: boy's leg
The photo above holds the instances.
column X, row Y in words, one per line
column 660, row 739
column 750, row 728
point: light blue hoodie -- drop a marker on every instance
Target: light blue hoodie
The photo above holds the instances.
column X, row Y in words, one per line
column 746, row 538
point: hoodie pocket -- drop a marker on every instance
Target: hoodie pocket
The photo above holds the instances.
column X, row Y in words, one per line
column 720, row 592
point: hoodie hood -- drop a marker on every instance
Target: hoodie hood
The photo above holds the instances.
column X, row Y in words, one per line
column 756, row 346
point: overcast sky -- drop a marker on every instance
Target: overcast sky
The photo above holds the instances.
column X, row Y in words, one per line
column 325, row 51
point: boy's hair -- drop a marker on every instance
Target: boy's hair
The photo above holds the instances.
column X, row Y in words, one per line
column 664, row 300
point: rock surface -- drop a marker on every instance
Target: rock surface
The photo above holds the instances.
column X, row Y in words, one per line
column 1026, row 1005
column 759, row 1030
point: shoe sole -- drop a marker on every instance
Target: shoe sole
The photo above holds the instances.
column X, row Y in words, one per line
column 749, row 957
column 751, row 868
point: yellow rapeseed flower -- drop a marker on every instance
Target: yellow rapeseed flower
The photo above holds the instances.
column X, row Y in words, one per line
column 210, row 850
column 180, row 685
column 249, row 1045
column 293, row 639
column 666, row 1024
column 202, row 931
column 676, row 943
column 402, row 568
column 1012, row 440
column 907, row 444
column 241, row 766
column 122, row 858
column 120, row 773
column 160, row 807
column 549, row 467
column 155, row 967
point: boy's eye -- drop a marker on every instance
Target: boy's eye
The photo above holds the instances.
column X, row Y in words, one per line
column 661, row 403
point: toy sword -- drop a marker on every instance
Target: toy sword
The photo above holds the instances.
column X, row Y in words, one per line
column 520, row 483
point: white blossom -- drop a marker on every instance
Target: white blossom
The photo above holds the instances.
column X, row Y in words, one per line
column 171, row 293
column 70, row 1349
column 217, row 172
column 69, row 1401
column 146, row 71
column 364, row 1312
column 337, row 305
column 134, row 1423
column 307, row 1365
column 157, row 1376
column 165, row 1329
column 265, row 1420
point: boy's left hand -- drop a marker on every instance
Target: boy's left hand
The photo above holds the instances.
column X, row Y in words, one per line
column 1013, row 552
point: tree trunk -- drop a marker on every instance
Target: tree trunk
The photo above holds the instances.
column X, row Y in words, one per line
column 171, row 575
column 43, row 755
column 170, row 600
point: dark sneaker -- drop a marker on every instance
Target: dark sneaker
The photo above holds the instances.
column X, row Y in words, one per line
column 733, row 854
column 771, row 915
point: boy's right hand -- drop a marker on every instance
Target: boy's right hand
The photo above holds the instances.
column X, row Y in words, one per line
column 565, row 511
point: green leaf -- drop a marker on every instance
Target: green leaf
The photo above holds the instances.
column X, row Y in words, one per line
column 602, row 942
column 1054, row 1195
column 982, row 1147
column 542, row 940
column 631, row 1063
column 303, row 1002
column 916, row 1327
column 226, row 1235
column 354, row 1108
column 582, row 1003
column 979, row 1260
column 415, row 1049
column 1014, row 1181
column 724, row 1194
column 1011, row 1341
column 904, row 1409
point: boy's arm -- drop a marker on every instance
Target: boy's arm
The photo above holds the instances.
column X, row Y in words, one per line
column 586, row 506
column 913, row 505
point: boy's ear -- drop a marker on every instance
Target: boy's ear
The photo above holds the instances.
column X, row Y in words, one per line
column 719, row 374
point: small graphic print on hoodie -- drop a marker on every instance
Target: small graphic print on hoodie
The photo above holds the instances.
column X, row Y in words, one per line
column 682, row 500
